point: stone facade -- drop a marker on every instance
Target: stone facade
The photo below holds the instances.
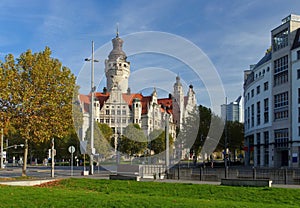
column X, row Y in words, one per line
column 118, row 107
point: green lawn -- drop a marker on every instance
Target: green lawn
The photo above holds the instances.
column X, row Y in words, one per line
column 107, row 193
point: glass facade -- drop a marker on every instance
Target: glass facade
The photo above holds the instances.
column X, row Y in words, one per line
column 280, row 40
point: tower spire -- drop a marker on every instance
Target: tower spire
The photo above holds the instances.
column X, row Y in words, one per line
column 117, row 31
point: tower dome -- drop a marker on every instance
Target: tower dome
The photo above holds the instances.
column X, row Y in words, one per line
column 117, row 51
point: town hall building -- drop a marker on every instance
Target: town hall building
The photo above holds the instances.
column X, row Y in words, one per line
column 118, row 107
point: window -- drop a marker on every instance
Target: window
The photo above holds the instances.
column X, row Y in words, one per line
column 112, row 112
column 266, row 149
column 252, row 115
column 123, row 112
column 281, row 70
column 298, row 130
column 101, row 120
column 257, row 89
column 282, row 114
column 281, row 78
column 281, row 100
column 266, row 110
column 248, row 122
column 281, row 138
column 258, row 113
column 298, row 115
column 266, row 86
column 252, row 92
column 298, row 55
column 281, row 64
column 118, row 112
column 280, row 40
column 258, row 148
column 298, row 73
column 298, row 95
column 107, row 112
column 107, row 120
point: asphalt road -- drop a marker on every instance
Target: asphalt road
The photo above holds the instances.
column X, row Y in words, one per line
column 45, row 171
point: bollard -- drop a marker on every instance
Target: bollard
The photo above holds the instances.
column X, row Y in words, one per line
column 285, row 176
column 254, row 173
column 200, row 173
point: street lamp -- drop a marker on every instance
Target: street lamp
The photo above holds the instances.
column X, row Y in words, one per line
column 1, row 163
column 93, row 88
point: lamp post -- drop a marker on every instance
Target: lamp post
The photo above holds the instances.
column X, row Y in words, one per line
column 92, row 109
column 225, row 146
column 1, row 163
column 167, row 142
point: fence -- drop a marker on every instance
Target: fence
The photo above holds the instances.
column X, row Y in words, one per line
column 278, row 176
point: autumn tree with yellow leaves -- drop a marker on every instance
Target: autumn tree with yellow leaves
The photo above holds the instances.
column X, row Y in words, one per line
column 36, row 97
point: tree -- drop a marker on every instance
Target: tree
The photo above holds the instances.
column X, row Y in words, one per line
column 235, row 136
column 106, row 131
column 102, row 135
column 8, row 85
column 188, row 135
column 77, row 112
column 133, row 141
column 158, row 141
column 41, row 97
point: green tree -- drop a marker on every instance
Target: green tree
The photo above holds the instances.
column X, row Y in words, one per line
column 106, row 131
column 102, row 135
column 235, row 136
column 77, row 112
column 188, row 136
column 133, row 141
column 41, row 97
column 158, row 141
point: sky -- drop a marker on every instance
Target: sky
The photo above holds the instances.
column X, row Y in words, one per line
column 223, row 37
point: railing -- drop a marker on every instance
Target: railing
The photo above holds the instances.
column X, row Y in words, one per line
column 277, row 175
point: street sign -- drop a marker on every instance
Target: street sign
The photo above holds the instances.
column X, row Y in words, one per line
column 71, row 149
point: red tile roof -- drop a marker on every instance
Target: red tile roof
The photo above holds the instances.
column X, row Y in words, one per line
column 145, row 101
column 129, row 97
column 145, row 104
column 166, row 102
column 85, row 100
column 101, row 97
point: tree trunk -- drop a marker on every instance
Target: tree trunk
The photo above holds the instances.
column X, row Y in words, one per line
column 25, row 158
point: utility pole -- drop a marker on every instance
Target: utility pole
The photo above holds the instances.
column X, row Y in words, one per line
column 52, row 158
column 92, row 114
column 167, row 142
column 1, row 164
column 225, row 146
column 93, row 88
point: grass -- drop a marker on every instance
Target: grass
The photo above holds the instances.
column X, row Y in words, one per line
column 107, row 193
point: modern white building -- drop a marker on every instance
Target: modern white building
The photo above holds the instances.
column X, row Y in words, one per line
column 272, row 95
column 233, row 111
column 118, row 107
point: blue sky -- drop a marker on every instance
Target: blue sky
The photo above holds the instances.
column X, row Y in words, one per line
column 233, row 33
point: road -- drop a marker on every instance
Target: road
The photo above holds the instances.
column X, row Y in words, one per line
column 45, row 171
